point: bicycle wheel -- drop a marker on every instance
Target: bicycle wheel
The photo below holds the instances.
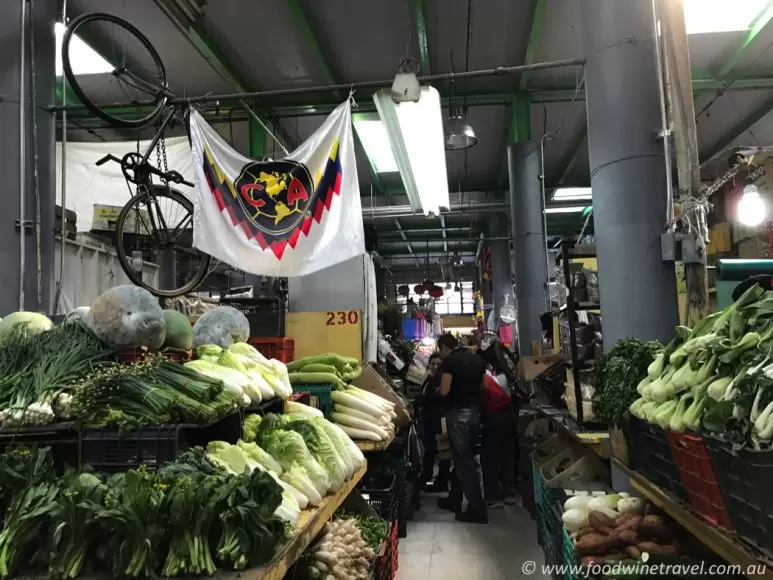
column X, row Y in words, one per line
column 137, row 74
column 154, row 222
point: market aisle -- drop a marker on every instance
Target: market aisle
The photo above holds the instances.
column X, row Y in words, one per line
column 439, row 548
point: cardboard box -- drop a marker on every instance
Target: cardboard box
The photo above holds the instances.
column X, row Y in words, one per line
column 619, row 445
column 373, row 380
column 720, row 239
column 756, row 247
column 559, row 445
column 530, row 367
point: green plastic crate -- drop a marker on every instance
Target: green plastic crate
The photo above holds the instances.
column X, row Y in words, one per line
column 570, row 556
column 321, row 397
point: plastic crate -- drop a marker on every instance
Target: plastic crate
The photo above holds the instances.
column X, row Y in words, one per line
column 746, row 479
column 265, row 315
column 282, row 349
column 320, row 397
column 177, row 355
column 380, row 489
column 112, row 450
column 700, row 482
column 387, row 560
column 654, row 458
column 570, row 557
column 134, row 355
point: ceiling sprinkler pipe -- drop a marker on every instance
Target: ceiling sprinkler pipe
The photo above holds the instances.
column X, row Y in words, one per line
column 401, row 211
column 498, row 71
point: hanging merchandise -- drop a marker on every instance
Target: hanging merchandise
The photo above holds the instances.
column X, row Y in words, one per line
column 288, row 217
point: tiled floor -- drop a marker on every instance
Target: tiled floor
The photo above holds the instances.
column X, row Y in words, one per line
column 439, row 548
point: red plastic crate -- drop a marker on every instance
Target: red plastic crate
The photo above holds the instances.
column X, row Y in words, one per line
column 282, row 349
column 698, row 476
column 386, row 562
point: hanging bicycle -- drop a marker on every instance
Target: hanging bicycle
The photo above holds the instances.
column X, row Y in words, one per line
column 156, row 224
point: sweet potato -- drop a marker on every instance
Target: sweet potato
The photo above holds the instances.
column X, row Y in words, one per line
column 601, row 522
column 628, row 537
column 633, row 552
column 658, row 549
column 598, row 560
column 629, row 523
column 585, row 530
column 653, row 520
column 595, row 544
column 653, row 531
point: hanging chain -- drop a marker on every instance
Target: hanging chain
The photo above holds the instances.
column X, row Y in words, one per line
column 161, row 158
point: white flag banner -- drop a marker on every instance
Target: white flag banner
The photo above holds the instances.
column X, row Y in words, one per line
column 288, row 217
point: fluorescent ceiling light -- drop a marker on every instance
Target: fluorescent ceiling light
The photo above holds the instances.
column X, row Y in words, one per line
column 572, row 194
column 415, row 133
column 84, row 59
column 375, row 141
column 704, row 16
column 568, row 209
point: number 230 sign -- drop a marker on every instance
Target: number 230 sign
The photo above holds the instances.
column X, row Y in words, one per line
column 342, row 317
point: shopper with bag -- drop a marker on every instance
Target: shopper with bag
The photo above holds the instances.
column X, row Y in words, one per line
column 462, row 376
column 500, row 429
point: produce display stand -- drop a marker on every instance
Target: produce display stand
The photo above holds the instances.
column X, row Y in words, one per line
column 568, row 252
column 596, row 440
column 372, row 446
column 310, row 524
column 723, row 543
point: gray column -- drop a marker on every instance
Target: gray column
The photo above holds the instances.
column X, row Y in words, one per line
column 501, row 263
column 638, row 291
column 42, row 13
column 528, row 241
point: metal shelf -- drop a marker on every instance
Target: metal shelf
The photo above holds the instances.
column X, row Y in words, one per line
column 724, row 544
column 310, row 524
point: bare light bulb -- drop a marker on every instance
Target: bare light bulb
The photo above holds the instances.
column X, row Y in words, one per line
column 751, row 209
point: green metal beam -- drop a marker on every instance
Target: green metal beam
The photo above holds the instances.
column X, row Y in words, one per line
column 756, row 27
column 311, row 42
column 737, row 130
column 257, row 140
column 535, row 34
column 421, row 37
column 198, row 38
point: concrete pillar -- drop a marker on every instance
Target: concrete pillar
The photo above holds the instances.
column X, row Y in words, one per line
column 528, row 241
column 501, row 263
column 38, row 273
column 637, row 290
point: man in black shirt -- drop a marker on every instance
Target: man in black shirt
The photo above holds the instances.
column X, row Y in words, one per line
column 462, row 375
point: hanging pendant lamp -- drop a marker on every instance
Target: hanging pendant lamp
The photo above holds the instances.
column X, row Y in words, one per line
column 459, row 134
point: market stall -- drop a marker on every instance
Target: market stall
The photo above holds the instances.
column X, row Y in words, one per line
column 145, row 445
column 690, row 436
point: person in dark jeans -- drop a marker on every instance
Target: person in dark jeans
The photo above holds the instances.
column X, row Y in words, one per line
column 462, row 376
column 500, row 429
column 430, row 405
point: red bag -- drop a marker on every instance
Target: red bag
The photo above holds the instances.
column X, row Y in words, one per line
column 493, row 398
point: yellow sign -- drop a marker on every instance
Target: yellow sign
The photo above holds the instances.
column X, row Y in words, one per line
column 314, row 333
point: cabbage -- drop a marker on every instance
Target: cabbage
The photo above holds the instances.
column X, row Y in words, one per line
column 231, row 457
column 233, row 380
column 358, row 459
column 249, row 351
column 297, row 477
column 288, row 511
column 36, row 323
column 250, row 428
column 209, row 352
column 340, row 445
column 288, row 447
column 322, row 449
column 258, row 454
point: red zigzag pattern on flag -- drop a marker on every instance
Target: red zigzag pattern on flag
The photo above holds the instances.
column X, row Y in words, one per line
column 320, row 206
